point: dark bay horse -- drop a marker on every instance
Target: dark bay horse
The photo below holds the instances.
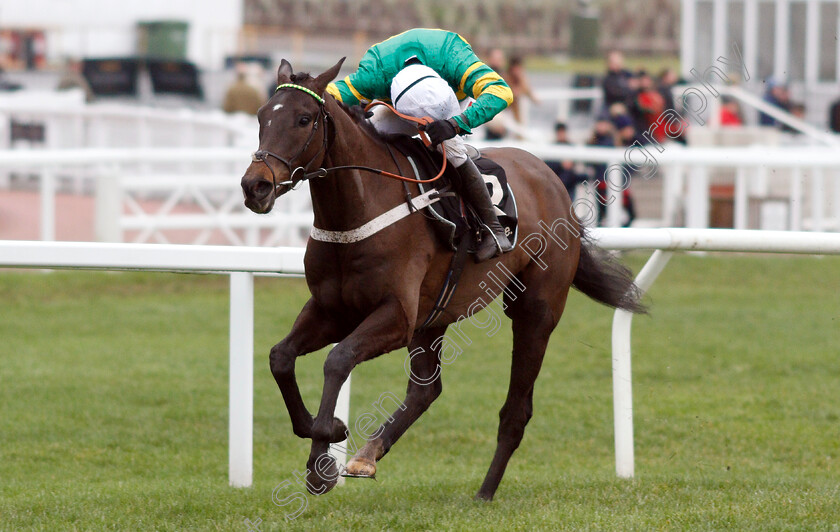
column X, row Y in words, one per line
column 371, row 296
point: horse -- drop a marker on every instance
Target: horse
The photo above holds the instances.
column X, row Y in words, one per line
column 370, row 296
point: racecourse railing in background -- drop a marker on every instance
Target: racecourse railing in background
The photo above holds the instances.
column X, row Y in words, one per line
column 760, row 172
column 66, row 122
column 194, row 199
column 795, row 177
column 159, row 199
column 241, row 263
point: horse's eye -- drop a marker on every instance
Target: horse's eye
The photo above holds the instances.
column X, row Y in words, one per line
column 304, row 120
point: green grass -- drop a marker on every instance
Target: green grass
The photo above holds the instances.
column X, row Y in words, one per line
column 114, row 411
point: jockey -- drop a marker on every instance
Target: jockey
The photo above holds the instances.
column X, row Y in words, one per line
column 426, row 72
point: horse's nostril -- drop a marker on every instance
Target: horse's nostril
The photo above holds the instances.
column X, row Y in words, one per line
column 257, row 189
column 262, row 189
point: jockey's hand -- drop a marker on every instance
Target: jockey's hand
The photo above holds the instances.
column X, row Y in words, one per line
column 440, row 130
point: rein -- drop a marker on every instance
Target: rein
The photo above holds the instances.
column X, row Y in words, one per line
column 262, row 155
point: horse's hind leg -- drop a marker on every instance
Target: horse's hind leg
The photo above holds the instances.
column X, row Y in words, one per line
column 535, row 313
column 312, row 330
column 424, row 386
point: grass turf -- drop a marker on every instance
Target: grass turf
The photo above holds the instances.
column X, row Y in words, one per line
column 114, row 411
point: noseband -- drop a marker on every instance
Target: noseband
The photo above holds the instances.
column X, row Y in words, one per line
column 262, row 155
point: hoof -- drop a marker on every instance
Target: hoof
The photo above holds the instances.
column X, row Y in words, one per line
column 322, row 476
column 360, row 468
column 485, row 497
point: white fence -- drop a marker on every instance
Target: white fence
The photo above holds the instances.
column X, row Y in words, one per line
column 780, row 187
column 665, row 242
column 758, row 173
column 243, row 262
column 69, row 122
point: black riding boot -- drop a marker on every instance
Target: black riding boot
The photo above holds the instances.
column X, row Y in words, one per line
column 474, row 190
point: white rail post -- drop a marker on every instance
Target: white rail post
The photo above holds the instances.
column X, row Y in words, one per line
column 796, row 199
column 342, row 412
column 688, row 41
column 48, row 204
column 672, row 194
column 751, row 37
column 622, row 371
column 817, row 200
column 614, row 198
column 241, row 420
column 812, row 46
column 697, row 210
column 108, row 206
column 836, row 200
column 741, row 201
column 781, row 39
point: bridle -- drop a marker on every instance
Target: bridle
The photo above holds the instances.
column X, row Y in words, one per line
column 261, row 155
column 329, row 134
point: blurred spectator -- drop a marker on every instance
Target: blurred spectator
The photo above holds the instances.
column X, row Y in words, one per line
column 242, row 97
column 565, row 170
column 496, row 60
column 497, row 128
column 730, row 112
column 618, row 82
column 72, row 78
column 561, row 133
column 623, row 124
column 796, row 109
column 8, row 85
column 777, row 95
column 667, row 80
column 518, row 82
column 648, row 106
column 625, row 130
column 834, row 117
column 604, row 135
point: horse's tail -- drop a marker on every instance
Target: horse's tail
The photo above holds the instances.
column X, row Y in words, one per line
column 603, row 278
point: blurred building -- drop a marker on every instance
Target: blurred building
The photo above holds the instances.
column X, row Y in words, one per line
column 523, row 26
column 792, row 42
column 39, row 33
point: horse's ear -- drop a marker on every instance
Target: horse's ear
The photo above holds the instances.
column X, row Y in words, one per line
column 324, row 79
column 284, row 73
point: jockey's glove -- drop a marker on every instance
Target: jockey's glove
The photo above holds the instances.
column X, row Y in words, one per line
column 440, row 130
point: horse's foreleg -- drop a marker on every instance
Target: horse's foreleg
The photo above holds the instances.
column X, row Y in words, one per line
column 312, row 330
column 384, row 330
column 424, row 386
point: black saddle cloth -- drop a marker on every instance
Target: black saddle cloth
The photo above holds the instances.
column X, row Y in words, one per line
column 452, row 214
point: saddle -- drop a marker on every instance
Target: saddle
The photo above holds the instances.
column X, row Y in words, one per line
column 454, row 218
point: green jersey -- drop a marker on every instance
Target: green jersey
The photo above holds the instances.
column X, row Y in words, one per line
column 445, row 52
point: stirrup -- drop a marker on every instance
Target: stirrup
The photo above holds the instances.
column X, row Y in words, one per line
column 493, row 244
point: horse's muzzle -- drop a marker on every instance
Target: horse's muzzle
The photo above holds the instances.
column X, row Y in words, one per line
column 259, row 192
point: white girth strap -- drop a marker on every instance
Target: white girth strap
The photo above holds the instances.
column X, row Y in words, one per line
column 377, row 224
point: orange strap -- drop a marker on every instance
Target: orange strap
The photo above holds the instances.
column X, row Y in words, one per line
column 423, row 136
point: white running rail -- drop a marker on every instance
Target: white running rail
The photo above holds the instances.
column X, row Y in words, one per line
column 665, row 242
column 242, row 263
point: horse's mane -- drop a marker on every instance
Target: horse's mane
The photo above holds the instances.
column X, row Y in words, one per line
column 356, row 112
